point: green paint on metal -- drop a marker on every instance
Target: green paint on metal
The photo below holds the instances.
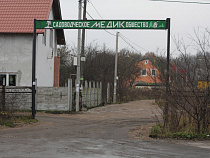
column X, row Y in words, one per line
column 101, row 24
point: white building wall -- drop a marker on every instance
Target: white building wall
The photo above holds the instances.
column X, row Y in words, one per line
column 16, row 56
column 45, row 57
column 44, row 63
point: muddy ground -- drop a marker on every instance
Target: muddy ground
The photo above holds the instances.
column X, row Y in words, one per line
column 112, row 131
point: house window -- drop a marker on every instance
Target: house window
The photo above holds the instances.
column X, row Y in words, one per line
column 153, row 72
column 2, row 80
column 146, row 62
column 143, row 72
column 8, row 79
column 12, row 80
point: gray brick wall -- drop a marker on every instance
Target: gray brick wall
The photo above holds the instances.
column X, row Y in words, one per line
column 47, row 98
column 17, row 98
column 52, row 98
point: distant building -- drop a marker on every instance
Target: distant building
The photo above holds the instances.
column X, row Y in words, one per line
column 178, row 75
column 203, row 67
column 203, row 71
column 16, row 39
column 150, row 74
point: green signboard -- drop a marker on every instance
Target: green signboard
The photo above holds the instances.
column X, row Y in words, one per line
column 101, row 24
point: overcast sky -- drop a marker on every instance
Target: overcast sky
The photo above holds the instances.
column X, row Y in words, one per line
column 185, row 18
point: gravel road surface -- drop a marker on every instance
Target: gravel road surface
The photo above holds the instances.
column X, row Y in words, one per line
column 112, row 131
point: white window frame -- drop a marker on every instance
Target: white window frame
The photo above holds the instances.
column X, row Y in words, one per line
column 142, row 71
column 153, row 70
column 146, row 62
column 7, row 77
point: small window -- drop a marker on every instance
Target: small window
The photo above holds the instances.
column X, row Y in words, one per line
column 12, row 80
column 8, row 79
column 146, row 62
column 2, row 80
column 153, row 72
column 143, row 72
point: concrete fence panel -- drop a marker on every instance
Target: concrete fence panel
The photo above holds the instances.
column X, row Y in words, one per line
column 52, row 98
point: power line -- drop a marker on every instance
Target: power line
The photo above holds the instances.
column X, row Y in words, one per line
column 109, row 32
column 123, row 38
column 104, row 29
column 192, row 2
column 129, row 44
column 134, row 43
column 95, row 9
column 89, row 15
column 100, row 16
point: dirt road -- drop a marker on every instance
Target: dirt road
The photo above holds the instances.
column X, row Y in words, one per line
column 104, row 132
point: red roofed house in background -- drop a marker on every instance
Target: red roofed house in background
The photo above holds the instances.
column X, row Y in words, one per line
column 16, row 40
column 150, row 74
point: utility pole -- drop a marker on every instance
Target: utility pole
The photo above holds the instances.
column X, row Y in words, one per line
column 83, row 44
column 115, row 71
column 78, row 57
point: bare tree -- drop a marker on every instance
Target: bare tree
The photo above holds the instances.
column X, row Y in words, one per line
column 66, row 64
column 128, row 71
column 189, row 102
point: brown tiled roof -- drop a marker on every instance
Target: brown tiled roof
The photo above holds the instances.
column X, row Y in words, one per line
column 17, row 16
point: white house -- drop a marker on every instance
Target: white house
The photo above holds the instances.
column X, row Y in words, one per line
column 16, row 40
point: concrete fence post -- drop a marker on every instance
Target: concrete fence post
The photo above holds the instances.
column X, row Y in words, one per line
column 86, row 93
column 101, row 101
column 97, row 93
column 108, row 93
column 94, row 86
column 90, row 94
column 70, row 94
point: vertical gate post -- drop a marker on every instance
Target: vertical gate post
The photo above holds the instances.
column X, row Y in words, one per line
column 34, row 72
column 3, row 95
column 168, row 68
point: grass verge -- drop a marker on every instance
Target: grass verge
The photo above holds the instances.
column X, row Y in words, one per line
column 158, row 131
column 13, row 121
